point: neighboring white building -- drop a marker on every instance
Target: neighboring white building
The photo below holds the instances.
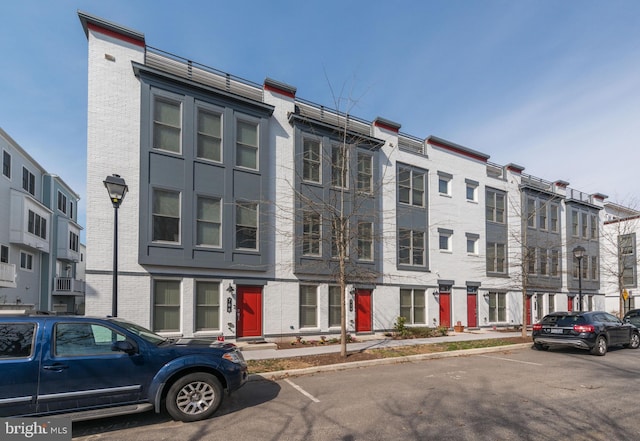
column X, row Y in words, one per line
column 228, row 229
column 620, row 258
column 39, row 235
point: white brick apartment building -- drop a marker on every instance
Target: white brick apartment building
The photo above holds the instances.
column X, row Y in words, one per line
column 228, row 227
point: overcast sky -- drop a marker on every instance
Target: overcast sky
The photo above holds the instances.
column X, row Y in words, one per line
column 550, row 85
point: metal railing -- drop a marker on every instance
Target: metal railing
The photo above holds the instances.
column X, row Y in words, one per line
column 7, row 275
column 68, row 285
column 202, row 74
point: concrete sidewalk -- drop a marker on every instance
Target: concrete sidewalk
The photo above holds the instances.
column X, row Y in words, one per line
column 253, row 352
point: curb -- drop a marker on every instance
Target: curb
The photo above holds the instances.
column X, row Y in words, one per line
column 278, row 375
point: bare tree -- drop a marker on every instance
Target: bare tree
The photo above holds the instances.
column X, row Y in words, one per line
column 337, row 189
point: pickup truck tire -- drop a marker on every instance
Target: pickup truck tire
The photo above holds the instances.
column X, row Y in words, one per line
column 194, row 397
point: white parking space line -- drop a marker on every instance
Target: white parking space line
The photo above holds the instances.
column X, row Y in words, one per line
column 509, row 359
column 302, row 391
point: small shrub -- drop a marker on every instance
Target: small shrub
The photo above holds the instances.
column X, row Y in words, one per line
column 400, row 327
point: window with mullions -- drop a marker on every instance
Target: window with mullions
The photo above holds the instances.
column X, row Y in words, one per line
column 411, row 247
column 339, row 166
column 247, row 144
column 495, row 206
column 167, row 125
column 6, row 164
column 209, row 222
column 166, row 216
column 365, row 241
column 26, row 261
column 166, row 305
column 247, row 225
column 531, row 213
column 37, row 225
column 496, row 256
column 310, row 233
column 73, row 241
column 497, row 307
column 412, row 306
column 554, row 215
column 555, row 263
column 334, row 306
column 626, row 244
column 311, row 160
column 411, row 187
column 209, row 135
column 339, row 236
column 28, row 181
column 594, row 226
column 308, row 306
column 207, row 306
column 365, row 173
column 62, row 202
column 594, row 268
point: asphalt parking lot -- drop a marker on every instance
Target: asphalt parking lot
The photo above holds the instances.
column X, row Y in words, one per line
column 517, row 394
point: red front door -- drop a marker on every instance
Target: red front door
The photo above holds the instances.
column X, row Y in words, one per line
column 570, row 304
column 363, row 310
column 445, row 309
column 528, row 310
column 249, row 311
column 472, row 310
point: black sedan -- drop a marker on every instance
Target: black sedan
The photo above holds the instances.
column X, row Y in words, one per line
column 593, row 330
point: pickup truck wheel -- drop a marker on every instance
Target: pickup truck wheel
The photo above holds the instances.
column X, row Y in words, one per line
column 601, row 346
column 194, row 397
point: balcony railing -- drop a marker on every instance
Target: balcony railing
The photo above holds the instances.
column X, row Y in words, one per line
column 68, row 286
column 7, row 275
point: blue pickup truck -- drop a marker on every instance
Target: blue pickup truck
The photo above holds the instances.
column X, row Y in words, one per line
column 88, row 367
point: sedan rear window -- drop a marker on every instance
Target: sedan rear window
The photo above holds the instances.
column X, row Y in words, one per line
column 564, row 321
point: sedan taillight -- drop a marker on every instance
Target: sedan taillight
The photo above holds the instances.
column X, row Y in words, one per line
column 584, row 328
column 537, row 326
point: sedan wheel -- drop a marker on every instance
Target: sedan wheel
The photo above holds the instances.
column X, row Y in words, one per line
column 634, row 343
column 194, row 397
column 601, row 346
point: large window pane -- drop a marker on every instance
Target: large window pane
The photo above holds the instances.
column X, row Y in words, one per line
column 365, row 173
column 365, row 241
column 334, row 306
column 166, row 216
column 166, row 125
column 208, row 222
column 247, row 226
column 310, row 233
column 166, row 305
column 308, row 306
column 207, row 306
column 311, row 160
column 247, row 145
column 209, row 136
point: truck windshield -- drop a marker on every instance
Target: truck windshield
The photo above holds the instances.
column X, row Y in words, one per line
column 141, row 332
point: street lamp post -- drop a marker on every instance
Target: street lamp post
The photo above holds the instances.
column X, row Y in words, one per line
column 578, row 253
column 117, row 189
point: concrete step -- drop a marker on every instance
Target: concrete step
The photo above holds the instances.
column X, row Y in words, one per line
column 257, row 345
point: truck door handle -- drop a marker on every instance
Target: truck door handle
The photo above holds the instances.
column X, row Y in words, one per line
column 56, row 367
